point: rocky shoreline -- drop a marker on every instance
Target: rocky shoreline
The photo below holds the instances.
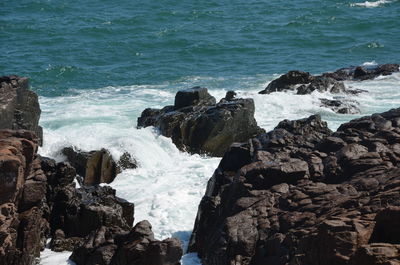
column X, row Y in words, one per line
column 299, row 194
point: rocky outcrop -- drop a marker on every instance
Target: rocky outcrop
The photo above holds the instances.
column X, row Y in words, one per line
column 19, row 106
column 363, row 72
column 302, row 194
column 79, row 211
column 109, row 246
column 95, row 167
column 23, row 208
column 198, row 125
column 304, row 83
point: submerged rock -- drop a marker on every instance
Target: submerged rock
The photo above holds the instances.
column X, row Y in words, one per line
column 109, row 246
column 126, row 161
column 19, row 106
column 343, row 106
column 302, row 194
column 198, row 125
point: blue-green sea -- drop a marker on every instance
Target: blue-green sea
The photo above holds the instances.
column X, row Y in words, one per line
column 97, row 64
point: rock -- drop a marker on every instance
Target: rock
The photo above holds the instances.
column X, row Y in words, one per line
column 59, row 243
column 343, row 106
column 322, row 84
column 19, row 106
column 192, row 97
column 204, row 127
column 302, row 194
column 126, row 161
column 137, row 246
column 363, row 72
column 95, row 166
column 23, row 208
column 288, row 81
column 230, row 95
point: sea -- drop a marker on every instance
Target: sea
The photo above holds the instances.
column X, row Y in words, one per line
column 97, row 64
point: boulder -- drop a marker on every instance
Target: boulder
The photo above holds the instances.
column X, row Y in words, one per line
column 19, row 106
column 322, row 84
column 23, row 208
column 126, row 161
column 95, row 166
column 203, row 127
column 138, row 246
column 302, row 194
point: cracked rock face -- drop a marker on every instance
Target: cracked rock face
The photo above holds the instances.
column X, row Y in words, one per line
column 19, row 106
column 302, row 194
column 196, row 123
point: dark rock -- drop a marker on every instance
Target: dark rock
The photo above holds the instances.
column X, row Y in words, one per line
column 204, row 128
column 137, row 246
column 322, row 84
column 59, row 243
column 19, row 106
column 95, row 166
column 192, row 97
column 363, row 72
column 288, row 81
column 301, row 194
column 343, row 106
column 23, row 208
column 126, row 161
column 230, row 95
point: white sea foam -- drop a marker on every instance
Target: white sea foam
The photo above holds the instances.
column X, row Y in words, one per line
column 369, row 4
column 168, row 185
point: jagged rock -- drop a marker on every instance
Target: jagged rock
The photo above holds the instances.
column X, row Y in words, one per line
column 19, row 106
column 203, row 126
column 79, row 211
column 126, row 161
column 95, row 166
column 288, row 81
column 23, row 227
column 59, row 243
column 112, row 247
column 302, row 194
column 343, row 106
column 322, row 84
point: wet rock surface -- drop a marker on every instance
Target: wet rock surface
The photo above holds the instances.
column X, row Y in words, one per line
column 19, row 106
column 23, row 208
column 363, row 72
column 137, row 246
column 96, row 166
column 196, row 123
column 302, row 194
column 341, row 106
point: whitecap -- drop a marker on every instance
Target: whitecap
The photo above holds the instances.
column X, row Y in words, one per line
column 369, row 4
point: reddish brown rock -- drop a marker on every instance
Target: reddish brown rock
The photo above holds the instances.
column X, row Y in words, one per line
column 23, row 227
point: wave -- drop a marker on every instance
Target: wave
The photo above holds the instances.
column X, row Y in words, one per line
column 369, row 4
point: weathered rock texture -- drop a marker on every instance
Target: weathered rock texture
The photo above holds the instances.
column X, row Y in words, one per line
column 19, row 106
column 138, row 246
column 303, row 195
column 23, row 226
column 95, row 167
column 198, row 125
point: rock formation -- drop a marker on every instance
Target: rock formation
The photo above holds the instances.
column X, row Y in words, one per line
column 23, row 208
column 95, row 167
column 198, row 125
column 304, row 83
column 304, row 195
column 19, row 106
column 109, row 246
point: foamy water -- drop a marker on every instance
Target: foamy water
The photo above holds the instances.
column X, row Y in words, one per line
column 371, row 4
column 168, row 185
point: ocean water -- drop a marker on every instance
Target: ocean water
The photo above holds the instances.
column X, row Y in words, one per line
column 97, row 64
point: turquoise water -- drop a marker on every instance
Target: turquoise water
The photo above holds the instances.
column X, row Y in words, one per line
column 64, row 44
column 97, row 64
